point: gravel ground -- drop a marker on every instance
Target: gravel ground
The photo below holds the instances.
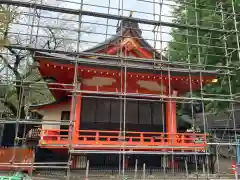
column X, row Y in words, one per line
column 128, row 176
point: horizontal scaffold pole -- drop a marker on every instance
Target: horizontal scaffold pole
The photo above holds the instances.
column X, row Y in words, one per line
column 223, row 69
column 109, row 16
column 135, row 152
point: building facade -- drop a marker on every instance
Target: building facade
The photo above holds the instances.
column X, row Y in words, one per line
column 115, row 109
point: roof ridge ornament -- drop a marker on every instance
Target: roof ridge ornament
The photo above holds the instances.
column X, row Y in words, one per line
column 128, row 24
column 131, row 13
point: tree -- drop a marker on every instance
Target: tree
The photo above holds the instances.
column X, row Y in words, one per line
column 18, row 70
column 16, row 62
column 17, row 67
column 208, row 49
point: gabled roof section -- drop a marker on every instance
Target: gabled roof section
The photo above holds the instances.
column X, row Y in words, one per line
column 125, row 29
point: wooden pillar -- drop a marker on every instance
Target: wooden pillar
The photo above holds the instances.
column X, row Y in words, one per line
column 77, row 118
column 171, row 119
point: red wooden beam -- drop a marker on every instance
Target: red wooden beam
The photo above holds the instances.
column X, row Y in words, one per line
column 77, row 118
column 171, row 120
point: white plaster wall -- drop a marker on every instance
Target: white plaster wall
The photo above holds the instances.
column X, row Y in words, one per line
column 53, row 114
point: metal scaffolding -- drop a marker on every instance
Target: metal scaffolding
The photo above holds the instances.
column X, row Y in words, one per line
column 200, row 39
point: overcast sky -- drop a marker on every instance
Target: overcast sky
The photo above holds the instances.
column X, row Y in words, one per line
column 143, row 9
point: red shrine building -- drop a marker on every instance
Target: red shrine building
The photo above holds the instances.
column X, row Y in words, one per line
column 150, row 88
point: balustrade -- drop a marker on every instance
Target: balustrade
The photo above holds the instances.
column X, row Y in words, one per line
column 96, row 138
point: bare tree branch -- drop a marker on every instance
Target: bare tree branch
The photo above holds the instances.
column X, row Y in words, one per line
column 6, row 63
column 54, row 37
column 18, row 58
column 2, row 69
column 18, row 79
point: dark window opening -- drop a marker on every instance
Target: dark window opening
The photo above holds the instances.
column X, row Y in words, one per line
column 107, row 114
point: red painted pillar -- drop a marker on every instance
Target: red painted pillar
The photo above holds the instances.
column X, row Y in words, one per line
column 76, row 126
column 171, row 120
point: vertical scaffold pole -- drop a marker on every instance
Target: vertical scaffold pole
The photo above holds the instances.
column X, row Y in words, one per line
column 144, row 171
column 87, row 171
column 186, row 167
column 237, row 158
column 136, row 169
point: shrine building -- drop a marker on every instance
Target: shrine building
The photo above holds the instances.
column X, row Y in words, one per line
column 151, row 89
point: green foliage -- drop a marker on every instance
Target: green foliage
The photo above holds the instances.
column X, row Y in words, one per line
column 209, row 49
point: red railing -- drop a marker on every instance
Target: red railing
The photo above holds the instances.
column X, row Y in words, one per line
column 115, row 138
